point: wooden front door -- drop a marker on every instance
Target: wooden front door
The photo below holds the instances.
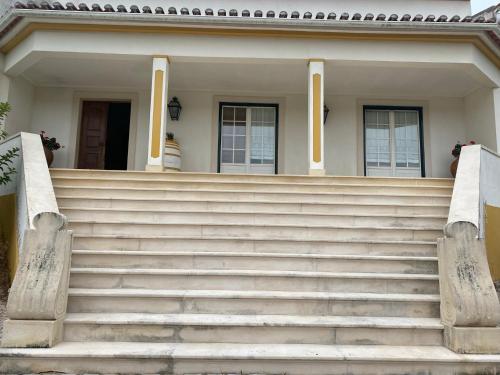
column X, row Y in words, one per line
column 93, row 135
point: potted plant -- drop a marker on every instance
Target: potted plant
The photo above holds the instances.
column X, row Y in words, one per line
column 456, row 153
column 49, row 146
column 172, row 157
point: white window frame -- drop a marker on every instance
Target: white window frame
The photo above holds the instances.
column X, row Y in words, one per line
column 248, row 167
column 393, row 170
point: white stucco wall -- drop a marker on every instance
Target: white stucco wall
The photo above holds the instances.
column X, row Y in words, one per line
column 52, row 113
column 447, row 126
column 444, row 123
column 142, row 132
column 20, row 97
column 4, row 82
column 480, row 118
column 194, row 129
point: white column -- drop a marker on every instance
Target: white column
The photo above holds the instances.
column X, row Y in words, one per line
column 158, row 114
column 315, row 120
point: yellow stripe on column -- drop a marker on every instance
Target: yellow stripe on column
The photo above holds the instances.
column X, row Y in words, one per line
column 157, row 110
column 317, row 118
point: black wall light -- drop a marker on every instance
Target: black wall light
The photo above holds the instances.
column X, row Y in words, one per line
column 326, row 110
column 174, row 109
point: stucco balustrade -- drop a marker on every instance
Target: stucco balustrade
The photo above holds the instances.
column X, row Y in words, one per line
column 38, row 296
column 470, row 309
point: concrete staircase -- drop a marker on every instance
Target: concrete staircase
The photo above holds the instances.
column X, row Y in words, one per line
column 203, row 273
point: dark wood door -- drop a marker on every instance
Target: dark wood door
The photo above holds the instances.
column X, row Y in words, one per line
column 93, row 135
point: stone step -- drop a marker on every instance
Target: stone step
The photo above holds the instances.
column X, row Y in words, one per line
column 267, row 244
column 252, row 260
column 251, row 186
column 244, row 359
column 140, row 216
column 259, row 231
column 171, row 205
column 256, row 280
column 252, row 302
column 251, row 329
column 197, row 176
column 129, row 358
column 382, row 197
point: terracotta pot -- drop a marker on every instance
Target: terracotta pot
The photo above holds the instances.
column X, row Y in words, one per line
column 49, row 155
column 454, row 166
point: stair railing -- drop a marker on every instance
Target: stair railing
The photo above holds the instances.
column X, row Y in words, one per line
column 38, row 296
column 470, row 309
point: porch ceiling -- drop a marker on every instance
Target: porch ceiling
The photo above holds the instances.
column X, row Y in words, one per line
column 260, row 76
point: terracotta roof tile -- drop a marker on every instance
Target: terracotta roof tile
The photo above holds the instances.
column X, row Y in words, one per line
column 134, row 9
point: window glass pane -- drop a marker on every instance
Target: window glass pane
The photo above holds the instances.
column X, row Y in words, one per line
column 257, row 114
column 372, row 157
column 263, row 137
column 241, row 114
column 269, row 115
column 227, row 129
column 371, row 132
column 383, row 117
column 228, row 114
column 227, row 142
column 239, row 156
column 239, row 142
column 378, row 138
column 370, row 117
column 383, row 132
column 240, row 129
column 383, row 145
column 408, row 142
column 399, row 118
column 412, row 117
column 227, row 156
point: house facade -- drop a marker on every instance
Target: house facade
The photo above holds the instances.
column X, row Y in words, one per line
column 402, row 84
column 251, row 187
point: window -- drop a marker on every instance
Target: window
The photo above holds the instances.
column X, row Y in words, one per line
column 393, row 141
column 248, row 134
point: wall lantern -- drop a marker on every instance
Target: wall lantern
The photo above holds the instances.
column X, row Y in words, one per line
column 326, row 110
column 174, row 108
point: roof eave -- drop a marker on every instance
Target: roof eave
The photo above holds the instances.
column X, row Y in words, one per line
column 16, row 19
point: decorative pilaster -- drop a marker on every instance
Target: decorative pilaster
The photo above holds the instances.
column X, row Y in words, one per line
column 158, row 114
column 315, row 120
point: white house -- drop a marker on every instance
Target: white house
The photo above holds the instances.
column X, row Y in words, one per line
column 421, row 73
column 331, row 266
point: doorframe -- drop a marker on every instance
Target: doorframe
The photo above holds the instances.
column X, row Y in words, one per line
column 99, row 96
column 397, row 108
column 244, row 104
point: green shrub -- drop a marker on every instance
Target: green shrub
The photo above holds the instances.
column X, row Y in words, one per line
column 7, row 158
